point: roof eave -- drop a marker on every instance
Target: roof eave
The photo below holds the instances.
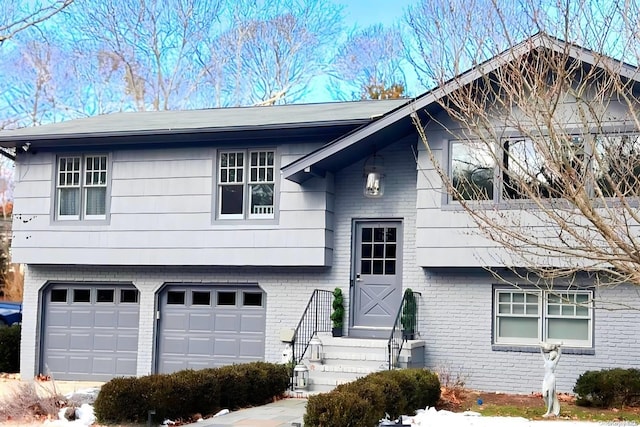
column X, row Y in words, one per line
column 295, row 171
column 10, row 141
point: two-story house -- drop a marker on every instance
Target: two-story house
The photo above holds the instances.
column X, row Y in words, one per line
column 156, row 241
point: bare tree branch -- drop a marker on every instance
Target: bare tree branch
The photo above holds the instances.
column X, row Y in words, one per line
column 544, row 139
column 16, row 20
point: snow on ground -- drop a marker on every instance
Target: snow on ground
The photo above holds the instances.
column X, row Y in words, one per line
column 84, row 415
column 432, row 417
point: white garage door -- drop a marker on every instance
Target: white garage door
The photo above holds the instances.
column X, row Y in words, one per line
column 202, row 326
column 90, row 332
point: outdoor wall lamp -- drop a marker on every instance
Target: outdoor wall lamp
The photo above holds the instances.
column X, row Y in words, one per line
column 374, row 176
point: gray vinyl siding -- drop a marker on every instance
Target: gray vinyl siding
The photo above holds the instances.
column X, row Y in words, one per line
column 162, row 212
column 446, row 235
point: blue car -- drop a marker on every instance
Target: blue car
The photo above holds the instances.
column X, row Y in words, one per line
column 10, row 313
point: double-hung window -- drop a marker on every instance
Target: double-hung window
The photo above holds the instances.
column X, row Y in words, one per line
column 246, row 184
column 81, row 185
column 527, row 317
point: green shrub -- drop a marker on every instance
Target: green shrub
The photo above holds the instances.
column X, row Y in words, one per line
column 608, row 388
column 122, row 399
column 398, row 392
column 10, row 349
column 340, row 408
column 182, row 394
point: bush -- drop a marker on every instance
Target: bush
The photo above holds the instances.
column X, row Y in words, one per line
column 398, row 392
column 182, row 394
column 608, row 388
column 340, row 408
column 10, row 349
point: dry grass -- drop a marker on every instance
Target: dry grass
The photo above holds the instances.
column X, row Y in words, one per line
column 31, row 401
column 12, row 290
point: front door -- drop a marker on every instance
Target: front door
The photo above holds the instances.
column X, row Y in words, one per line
column 377, row 281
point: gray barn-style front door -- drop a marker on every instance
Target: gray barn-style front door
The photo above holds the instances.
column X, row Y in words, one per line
column 377, row 282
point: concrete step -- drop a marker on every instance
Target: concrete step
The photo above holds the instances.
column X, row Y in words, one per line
column 347, row 359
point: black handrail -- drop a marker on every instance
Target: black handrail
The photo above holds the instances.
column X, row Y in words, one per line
column 408, row 307
column 316, row 318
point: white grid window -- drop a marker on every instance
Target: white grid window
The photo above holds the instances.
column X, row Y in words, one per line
column 528, row 317
column 518, row 317
column 241, row 196
column 81, row 187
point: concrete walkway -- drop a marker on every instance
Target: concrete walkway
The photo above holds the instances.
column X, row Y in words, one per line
column 283, row 413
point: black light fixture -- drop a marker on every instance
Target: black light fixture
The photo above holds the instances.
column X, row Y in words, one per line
column 374, row 176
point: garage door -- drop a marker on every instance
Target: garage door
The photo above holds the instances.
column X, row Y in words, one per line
column 202, row 326
column 90, row 332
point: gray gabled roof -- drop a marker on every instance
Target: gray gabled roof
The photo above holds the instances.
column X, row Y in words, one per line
column 203, row 121
column 398, row 122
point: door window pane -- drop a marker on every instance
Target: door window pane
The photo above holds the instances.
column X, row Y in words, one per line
column 389, row 267
column 81, row 295
column 175, row 297
column 252, row 299
column 378, row 267
column 367, row 234
column 128, row 296
column 105, row 295
column 226, row 298
column 201, row 298
column 58, row 295
column 365, row 266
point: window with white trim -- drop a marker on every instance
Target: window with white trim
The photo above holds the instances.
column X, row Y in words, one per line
column 527, row 317
column 246, row 184
column 81, row 187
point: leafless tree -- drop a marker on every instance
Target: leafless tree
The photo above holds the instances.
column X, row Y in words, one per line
column 271, row 52
column 30, row 89
column 18, row 16
column 143, row 49
column 544, row 149
column 369, row 64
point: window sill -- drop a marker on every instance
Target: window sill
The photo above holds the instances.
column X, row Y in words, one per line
column 83, row 221
column 535, row 349
column 520, row 204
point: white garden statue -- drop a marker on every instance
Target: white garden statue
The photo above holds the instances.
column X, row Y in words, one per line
column 549, row 391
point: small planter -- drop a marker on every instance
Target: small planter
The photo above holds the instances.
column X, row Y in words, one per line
column 409, row 313
column 337, row 316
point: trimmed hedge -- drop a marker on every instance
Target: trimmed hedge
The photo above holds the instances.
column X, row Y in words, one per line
column 182, row 394
column 10, row 349
column 365, row 401
column 608, row 388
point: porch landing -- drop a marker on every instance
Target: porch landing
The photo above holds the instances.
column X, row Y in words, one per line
column 347, row 359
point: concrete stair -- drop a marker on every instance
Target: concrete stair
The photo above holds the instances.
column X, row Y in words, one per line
column 346, row 359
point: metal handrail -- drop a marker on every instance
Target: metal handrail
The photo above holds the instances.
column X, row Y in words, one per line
column 397, row 336
column 316, row 318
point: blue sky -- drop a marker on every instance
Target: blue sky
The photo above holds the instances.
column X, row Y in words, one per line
column 364, row 13
column 369, row 12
